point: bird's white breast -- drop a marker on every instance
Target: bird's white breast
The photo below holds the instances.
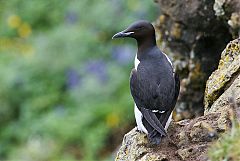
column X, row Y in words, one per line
column 136, row 62
column 138, row 114
column 138, row 118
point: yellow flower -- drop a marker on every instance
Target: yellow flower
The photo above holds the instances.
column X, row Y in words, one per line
column 27, row 49
column 24, row 30
column 14, row 21
column 112, row 120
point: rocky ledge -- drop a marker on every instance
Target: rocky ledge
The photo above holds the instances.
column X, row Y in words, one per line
column 190, row 139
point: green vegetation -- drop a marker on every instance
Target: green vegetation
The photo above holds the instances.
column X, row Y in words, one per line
column 64, row 91
column 227, row 147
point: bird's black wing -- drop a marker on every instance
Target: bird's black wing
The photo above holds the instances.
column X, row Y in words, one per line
column 165, row 116
column 138, row 91
column 176, row 93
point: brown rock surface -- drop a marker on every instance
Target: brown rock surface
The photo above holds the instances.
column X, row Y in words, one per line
column 189, row 141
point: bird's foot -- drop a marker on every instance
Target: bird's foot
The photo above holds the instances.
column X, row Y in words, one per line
column 155, row 140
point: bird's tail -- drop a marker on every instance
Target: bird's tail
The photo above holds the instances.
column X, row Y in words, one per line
column 155, row 137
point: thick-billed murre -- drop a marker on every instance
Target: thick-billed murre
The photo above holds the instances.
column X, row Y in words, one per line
column 154, row 85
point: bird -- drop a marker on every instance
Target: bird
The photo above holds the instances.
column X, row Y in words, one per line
column 154, row 85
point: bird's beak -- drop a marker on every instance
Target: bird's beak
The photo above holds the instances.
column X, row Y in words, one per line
column 124, row 33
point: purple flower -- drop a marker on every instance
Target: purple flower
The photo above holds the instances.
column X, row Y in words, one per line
column 71, row 17
column 123, row 54
column 73, row 78
column 97, row 68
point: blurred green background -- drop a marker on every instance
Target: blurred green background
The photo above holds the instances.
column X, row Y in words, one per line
column 64, row 92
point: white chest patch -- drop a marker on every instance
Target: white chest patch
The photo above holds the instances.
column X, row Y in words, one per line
column 136, row 62
column 138, row 114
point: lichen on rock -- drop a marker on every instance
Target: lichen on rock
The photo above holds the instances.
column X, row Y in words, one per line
column 223, row 102
column 134, row 147
column 220, row 79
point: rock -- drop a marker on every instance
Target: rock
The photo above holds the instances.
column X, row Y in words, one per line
column 225, row 7
column 194, row 11
column 190, row 140
column 189, row 32
column 193, row 153
column 133, row 146
column 221, row 79
column 224, row 121
column 218, row 7
column 223, row 102
column 202, row 131
column 228, row 12
column 234, row 21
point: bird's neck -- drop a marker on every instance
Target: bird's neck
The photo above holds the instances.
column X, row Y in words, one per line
column 145, row 45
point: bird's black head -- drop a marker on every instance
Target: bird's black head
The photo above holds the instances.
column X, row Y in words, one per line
column 138, row 30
